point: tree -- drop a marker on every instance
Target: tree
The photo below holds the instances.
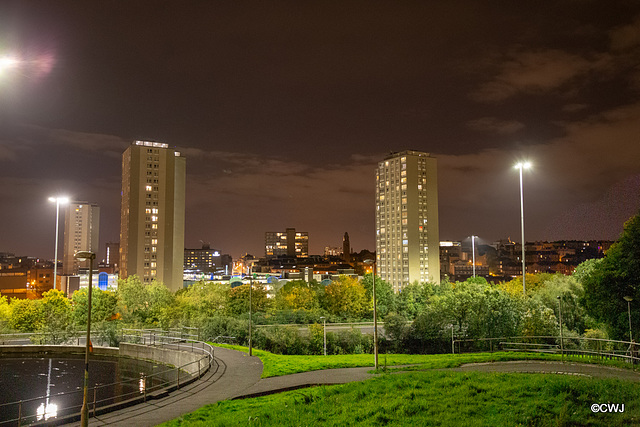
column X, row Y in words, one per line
column 202, row 299
column 145, row 305
column 346, row 297
column 5, row 314
column 26, row 314
column 55, row 326
column 608, row 281
column 239, row 299
column 296, row 295
column 385, row 297
column 413, row 298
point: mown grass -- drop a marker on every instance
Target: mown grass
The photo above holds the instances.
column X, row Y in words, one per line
column 435, row 398
column 276, row 364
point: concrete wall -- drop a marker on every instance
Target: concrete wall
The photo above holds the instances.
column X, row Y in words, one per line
column 165, row 355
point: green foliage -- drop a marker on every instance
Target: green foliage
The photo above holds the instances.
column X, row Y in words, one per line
column 239, row 299
column 202, row 300
column 608, row 281
column 104, row 306
column 414, row 297
column 385, row 297
column 56, row 326
column 538, row 320
column 297, row 295
column 26, row 315
column 5, row 314
column 145, row 305
column 346, row 298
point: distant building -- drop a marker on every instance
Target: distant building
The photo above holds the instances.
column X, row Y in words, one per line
column 153, row 214
column 81, row 233
column 346, row 248
column 289, row 242
column 207, row 260
column 332, row 251
column 113, row 256
column 407, row 235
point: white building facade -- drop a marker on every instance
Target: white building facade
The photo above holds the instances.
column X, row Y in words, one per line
column 407, row 233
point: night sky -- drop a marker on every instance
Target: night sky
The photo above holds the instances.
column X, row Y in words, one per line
column 283, row 110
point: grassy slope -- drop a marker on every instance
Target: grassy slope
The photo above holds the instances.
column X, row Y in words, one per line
column 435, row 398
column 275, row 364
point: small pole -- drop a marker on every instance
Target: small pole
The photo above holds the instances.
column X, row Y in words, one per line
column 561, row 334
column 144, row 387
column 453, row 346
column 19, row 413
column 178, row 374
column 94, row 401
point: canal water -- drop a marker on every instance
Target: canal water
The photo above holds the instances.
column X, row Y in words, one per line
column 62, row 378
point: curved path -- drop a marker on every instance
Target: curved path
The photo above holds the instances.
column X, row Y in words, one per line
column 237, row 375
column 542, row 367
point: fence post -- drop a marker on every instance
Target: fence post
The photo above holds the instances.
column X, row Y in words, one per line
column 453, row 345
column 94, row 400
column 144, row 387
column 19, row 413
column 178, row 374
column 199, row 368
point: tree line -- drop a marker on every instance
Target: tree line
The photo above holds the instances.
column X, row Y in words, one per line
column 420, row 318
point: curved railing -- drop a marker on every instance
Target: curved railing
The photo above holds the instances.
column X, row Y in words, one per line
column 104, row 398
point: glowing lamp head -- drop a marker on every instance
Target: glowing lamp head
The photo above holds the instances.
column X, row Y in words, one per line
column 523, row 165
column 60, row 200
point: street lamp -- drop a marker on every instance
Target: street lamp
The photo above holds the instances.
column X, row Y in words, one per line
column 628, row 299
column 84, row 414
column 324, row 332
column 521, row 166
column 372, row 262
column 561, row 333
column 59, row 201
column 250, row 309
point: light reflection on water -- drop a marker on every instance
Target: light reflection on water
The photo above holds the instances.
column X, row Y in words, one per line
column 28, row 378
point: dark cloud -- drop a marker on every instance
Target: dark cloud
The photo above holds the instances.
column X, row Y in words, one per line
column 284, row 109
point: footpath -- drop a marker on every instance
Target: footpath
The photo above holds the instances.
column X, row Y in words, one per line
column 237, row 375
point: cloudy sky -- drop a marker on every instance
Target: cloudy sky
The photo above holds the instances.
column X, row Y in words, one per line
column 284, row 108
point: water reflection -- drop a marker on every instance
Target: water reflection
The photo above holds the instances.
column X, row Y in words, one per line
column 111, row 380
column 46, row 412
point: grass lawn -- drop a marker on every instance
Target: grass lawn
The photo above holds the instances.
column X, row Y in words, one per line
column 275, row 364
column 435, row 398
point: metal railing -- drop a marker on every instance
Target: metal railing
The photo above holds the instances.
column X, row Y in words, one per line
column 626, row 351
column 104, row 397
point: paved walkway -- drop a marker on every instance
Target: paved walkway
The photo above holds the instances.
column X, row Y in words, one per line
column 567, row 368
column 236, row 375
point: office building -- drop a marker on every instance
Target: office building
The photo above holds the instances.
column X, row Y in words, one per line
column 81, row 233
column 289, row 243
column 207, row 260
column 407, row 236
column 153, row 213
column 112, row 255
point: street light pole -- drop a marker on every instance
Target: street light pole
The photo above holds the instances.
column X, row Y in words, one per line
column 84, row 414
column 59, row 201
column 561, row 333
column 522, row 166
column 250, row 309
column 324, row 333
column 372, row 262
column 628, row 300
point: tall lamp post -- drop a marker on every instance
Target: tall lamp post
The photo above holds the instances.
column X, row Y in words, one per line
column 628, row 300
column 59, row 201
column 84, row 414
column 561, row 333
column 521, row 166
column 250, row 309
column 324, row 333
column 372, row 262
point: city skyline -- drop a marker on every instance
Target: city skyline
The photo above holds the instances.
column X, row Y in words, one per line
column 283, row 112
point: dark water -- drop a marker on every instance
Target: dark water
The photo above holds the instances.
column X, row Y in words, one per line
column 114, row 379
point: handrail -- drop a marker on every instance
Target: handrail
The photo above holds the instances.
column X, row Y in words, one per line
column 163, row 379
